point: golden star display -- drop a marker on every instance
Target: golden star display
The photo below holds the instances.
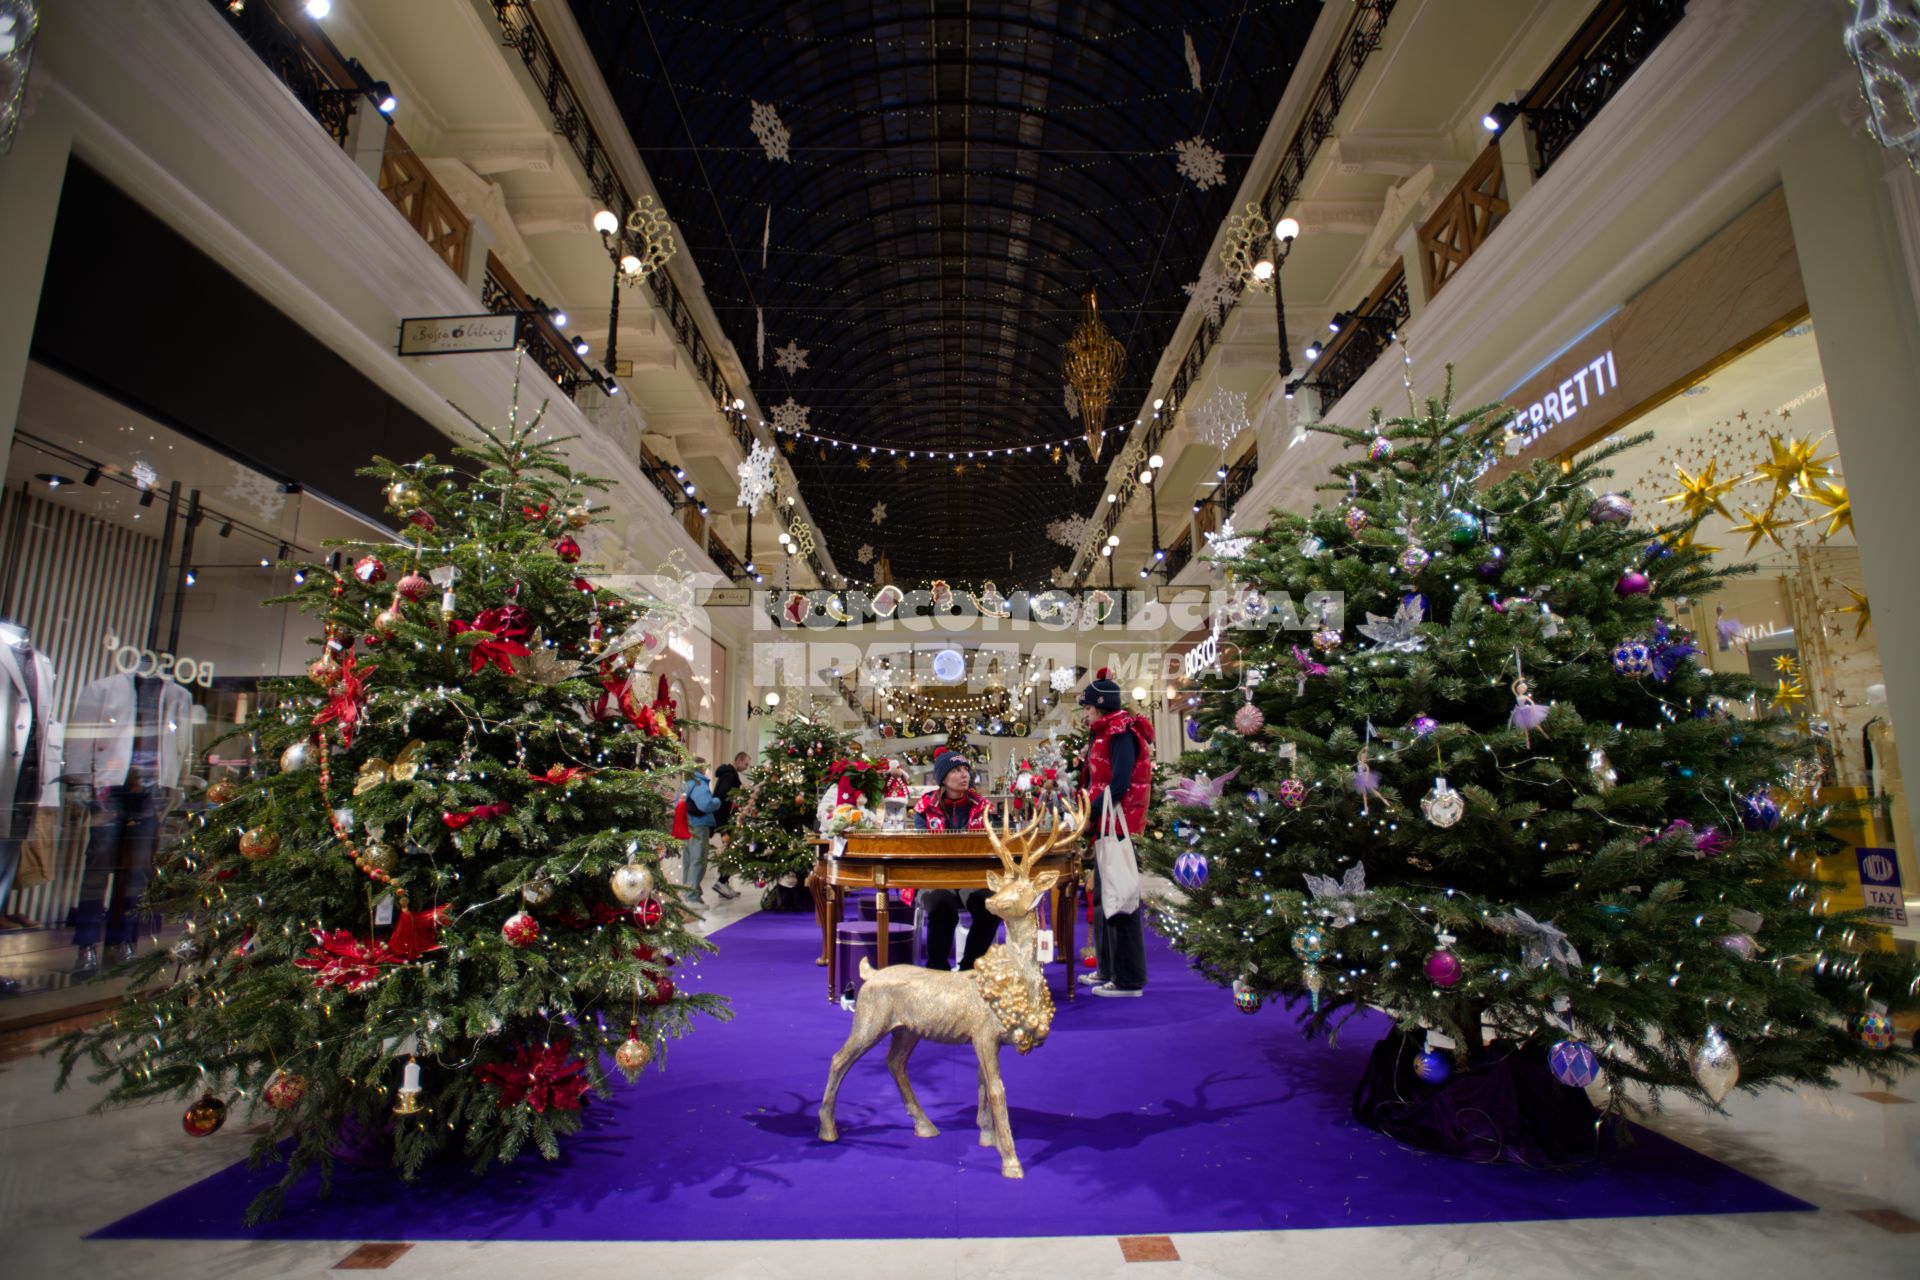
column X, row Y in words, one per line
column 1789, row 693
column 1701, row 494
column 1785, row 664
column 1762, row 524
column 1793, row 466
column 899, row 464
column 1839, row 507
column 864, row 464
column 1862, row 606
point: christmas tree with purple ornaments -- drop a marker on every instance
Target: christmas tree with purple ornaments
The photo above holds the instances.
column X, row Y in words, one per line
column 434, row 912
column 1493, row 794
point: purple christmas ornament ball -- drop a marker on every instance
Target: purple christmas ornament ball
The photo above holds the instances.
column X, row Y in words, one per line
column 1190, row 870
column 1193, row 730
column 1291, row 792
column 1432, row 1067
column 1381, row 449
column 1759, row 812
column 1443, row 968
column 1423, row 726
column 1610, row 508
column 1573, row 1064
column 1496, row 561
column 1741, row 944
column 1633, row 583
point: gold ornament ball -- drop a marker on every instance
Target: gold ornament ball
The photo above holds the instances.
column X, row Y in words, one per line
column 324, row 671
column 257, row 843
column 596, row 645
column 403, row 495
column 299, row 756
column 387, row 621
column 204, row 1116
column 632, row 883
column 536, row 893
column 221, row 790
column 633, row 1056
column 579, row 517
column 284, row 1091
column 381, row 857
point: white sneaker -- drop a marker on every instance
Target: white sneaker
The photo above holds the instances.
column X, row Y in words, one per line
column 1090, row 979
column 1108, row 989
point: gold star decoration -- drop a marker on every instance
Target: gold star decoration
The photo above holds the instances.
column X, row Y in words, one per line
column 1762, row 524
column 900, row 464
column 1789, row 693
column 1792, row 466
column 789, row 445
column 1862, row 606
column 864, row 464
column 1839, row 513
column 1701, row 494
column 959, row 468
column 1785, row 664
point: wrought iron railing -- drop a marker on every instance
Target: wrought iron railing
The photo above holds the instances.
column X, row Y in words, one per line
column 1178, row 554
column 1371, row 328
column 325, row 92
column 502, row 294
column 1609, row 47
column 1227, row 494
column 1363, row 36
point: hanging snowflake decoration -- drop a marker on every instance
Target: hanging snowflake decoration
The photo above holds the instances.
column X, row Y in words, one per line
column 1073, row 468
column 1063, row 679
column 879, row 513
column 790, row 416
column 260, row 492
column 1228, row 545
column 1071, row 399
column 1069, row 532
column 1215, row 291
column 1882, row 40
column 1221, row 418
column 792, row 358
column 756, row 476
column 649, row 241
column 1247, row 245
column 865, row 554
column 1200, row 164
column 772, row 134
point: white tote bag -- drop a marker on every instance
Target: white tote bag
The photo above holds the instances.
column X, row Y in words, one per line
column 1113, row 856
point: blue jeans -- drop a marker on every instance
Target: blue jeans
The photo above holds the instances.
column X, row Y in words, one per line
column 693, row 862
column 119, row 864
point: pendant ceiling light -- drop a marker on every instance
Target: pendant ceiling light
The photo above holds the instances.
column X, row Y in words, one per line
column 1092, row 360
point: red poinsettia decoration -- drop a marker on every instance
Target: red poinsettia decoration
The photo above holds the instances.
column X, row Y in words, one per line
column 509, row 624
column 343, row 708
column 342, row 960
column 536, row 514
column 559, row 775
column 416, row 933
column 544, row 1077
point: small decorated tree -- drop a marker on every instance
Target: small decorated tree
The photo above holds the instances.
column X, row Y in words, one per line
column 432, row 924
column 772, row 826
column 1499, row 800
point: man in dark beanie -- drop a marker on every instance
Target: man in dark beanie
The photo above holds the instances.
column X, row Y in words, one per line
column 1119, row 769
column 953, row 805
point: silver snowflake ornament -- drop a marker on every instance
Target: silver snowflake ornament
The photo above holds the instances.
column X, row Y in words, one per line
column 1398, row 634
column 1200, row 164
column 772, row 134
column 1221, row 417
column 1227, row 544
column 791, row 358
column 1070, row 531
column 879, row 513
column 865, row 554
column 790, row 416
column 1215, row 291
column 756, row 476
column 1063, row 679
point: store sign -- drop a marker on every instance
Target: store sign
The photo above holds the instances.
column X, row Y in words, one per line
column 1577, row 391
column 131, row 660
column 1204, row 656
column 452, row 335
column 1880, row 885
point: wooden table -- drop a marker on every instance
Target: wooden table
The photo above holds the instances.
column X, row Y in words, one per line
column 957, row 860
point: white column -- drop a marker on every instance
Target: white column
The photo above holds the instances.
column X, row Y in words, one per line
column 31, row 176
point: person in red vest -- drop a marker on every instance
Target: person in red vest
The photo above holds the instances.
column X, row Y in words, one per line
column 953, row 805
column 1119, row 766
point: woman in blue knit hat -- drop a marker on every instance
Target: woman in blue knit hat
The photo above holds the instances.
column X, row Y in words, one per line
column 1119, row 768
column 953, row 805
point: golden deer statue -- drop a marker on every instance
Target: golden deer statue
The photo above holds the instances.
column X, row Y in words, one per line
column 1003, row 999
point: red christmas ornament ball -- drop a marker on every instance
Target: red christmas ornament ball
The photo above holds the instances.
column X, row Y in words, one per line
column 648, row 913
column 662, row 990
column 221, row 790
column 369, row 572
column 567, row 549
column 204, row 1117
column 520, row 930
column 414, row 587
column 284, row 1092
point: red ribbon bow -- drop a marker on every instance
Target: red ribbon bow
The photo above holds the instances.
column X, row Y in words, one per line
column 559, row 775
column 344, row 707
column 542, row 1076
column 480, row 813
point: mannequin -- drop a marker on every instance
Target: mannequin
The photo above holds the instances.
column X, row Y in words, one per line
column 127, row 746
column 30, row 753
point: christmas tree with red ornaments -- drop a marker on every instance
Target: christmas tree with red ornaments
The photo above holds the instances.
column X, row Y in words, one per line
column 768, row 839
column 434, row 912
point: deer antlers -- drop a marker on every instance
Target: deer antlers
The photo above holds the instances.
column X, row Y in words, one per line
column 1032, row 849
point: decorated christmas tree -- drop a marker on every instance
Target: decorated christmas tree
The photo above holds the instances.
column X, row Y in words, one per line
column 429, row 927
column 1499, row 793
column 772, row 825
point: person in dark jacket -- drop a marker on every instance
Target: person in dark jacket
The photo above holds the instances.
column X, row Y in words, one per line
column 726, row 780
column 1118, row 769
column 953, row 805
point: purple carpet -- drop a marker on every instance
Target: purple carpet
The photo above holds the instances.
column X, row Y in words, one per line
column 1172, row 1113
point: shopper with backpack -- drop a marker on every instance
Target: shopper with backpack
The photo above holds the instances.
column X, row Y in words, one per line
column 701, row 808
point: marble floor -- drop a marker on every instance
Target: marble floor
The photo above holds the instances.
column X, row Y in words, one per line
column 1854, row 1152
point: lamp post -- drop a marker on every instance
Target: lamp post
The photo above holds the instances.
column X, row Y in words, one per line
column 1147, row 476
column 1285, row 232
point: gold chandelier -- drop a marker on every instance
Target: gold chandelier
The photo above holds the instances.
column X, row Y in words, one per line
column 1092, row 360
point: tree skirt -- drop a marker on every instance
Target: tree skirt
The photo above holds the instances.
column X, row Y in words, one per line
column 1171, row 1113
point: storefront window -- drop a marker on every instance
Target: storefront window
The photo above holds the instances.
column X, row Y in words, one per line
column 1754, row 445
column 135, row 567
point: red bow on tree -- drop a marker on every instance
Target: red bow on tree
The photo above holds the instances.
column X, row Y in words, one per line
column 541, row 1076
column 344, row 706
column 480, row 813
column 342, row 960
column 535, row 514
column 416, row 933
column 559, row 775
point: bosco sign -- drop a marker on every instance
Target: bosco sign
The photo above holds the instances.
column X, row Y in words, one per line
column 131, row 660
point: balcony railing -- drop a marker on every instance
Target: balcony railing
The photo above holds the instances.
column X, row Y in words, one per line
column 1178, row 554
column 1463, row 220
column 1609, row 47
column 502, row 294
column 1370, row 330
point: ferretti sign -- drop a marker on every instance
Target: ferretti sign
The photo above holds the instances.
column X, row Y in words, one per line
column 1565, row 401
